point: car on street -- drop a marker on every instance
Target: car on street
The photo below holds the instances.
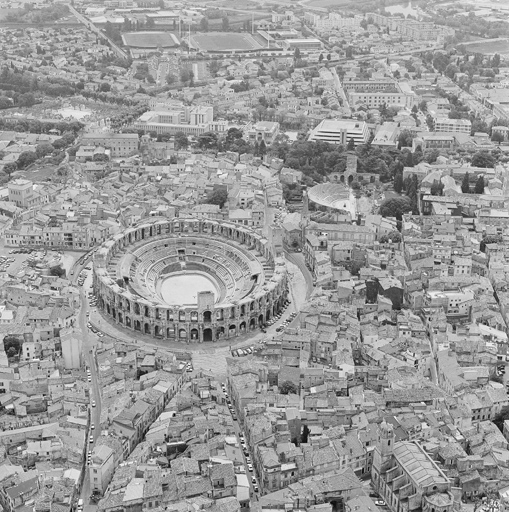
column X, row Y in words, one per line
column 380, row 503
column 93, row 403
column 256, row 489
column 253, row 479
column 92, row 426
column 91, row 439
column 89, row 379
column 250, row 467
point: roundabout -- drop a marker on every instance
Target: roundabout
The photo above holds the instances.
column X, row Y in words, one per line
column 189, row 280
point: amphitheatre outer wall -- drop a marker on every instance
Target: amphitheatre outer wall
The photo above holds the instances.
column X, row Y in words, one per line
column 252, row 280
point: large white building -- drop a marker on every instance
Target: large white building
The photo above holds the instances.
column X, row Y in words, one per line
column 444, row 124
column 189, row 120
column 340, row 131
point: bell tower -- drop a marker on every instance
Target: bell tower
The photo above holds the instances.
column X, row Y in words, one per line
column 383, row 453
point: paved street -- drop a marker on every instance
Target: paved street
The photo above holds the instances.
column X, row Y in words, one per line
column 89, row 344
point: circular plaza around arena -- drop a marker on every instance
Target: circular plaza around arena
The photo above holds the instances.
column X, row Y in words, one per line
column 189, row 280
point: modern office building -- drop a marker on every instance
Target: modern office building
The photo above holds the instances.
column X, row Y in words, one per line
column 340, row 131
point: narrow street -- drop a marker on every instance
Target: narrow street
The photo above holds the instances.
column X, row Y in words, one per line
column 88, row 344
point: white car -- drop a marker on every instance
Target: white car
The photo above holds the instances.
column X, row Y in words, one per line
column 250, row 467
column 92, row 427
column 93, row 403
column 91, row 439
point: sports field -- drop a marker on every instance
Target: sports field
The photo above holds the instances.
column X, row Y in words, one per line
column 500, row 46
column 150, row 39
column 224, row 42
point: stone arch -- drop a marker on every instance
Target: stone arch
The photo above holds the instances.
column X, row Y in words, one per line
column 207, row 316
column 268, row 315
column 127, row 306
column 207, row 334
column 219, row 332
column 182, row 333
column 252, row 323
column 146, row 328
column 182, row 316
column 136, row 308
column 137, row 325
column 342, row 178
column 232, row 312
column 120, row 319
column 242, row 310
column 128, row 321
column 169, row 315
column 157, row 331
column 219, row 315
column 232, row 329
column 108, row 309
column 194, row 334
column 251, row 306
column 113, row 312
column 147, row 311
column 194, row 316
column 242, row 326
column 260, row 319
column 170, row 332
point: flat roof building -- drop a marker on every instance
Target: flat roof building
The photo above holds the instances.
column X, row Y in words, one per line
column 340, row 131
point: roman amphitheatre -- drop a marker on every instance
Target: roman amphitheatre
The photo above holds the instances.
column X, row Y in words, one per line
column 189, row 280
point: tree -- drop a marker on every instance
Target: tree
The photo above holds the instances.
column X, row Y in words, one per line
column 497, row 137
column 288, row 388
column 226, row 24
column 489, row 239
column 57, row 271
column 392, row 237
column 214, row 67
column 483, row 159
column 431, row 155
column 170, row 78
column 405, row 139
column 479, row 185
column 465, row 184
column 9, row 168
column 296, row 55
column 218, row 196
column 351, row 145
column 305, row 434
column 501, row 417
column 208, row 140
column 262, row 148
column 181, row 140
column 11, row 341
column 105, row 87
column 186, row 75
column 423, row 106
column 100, row 157
column 437, row 188
column 25, row 159
column 43, row 149
column 495, row 61
column 204, row 24
column 398, row 182
column 395, row 207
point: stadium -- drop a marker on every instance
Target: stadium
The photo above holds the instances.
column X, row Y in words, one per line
column 226, row 42
column 189, row 280
column 150, row 40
